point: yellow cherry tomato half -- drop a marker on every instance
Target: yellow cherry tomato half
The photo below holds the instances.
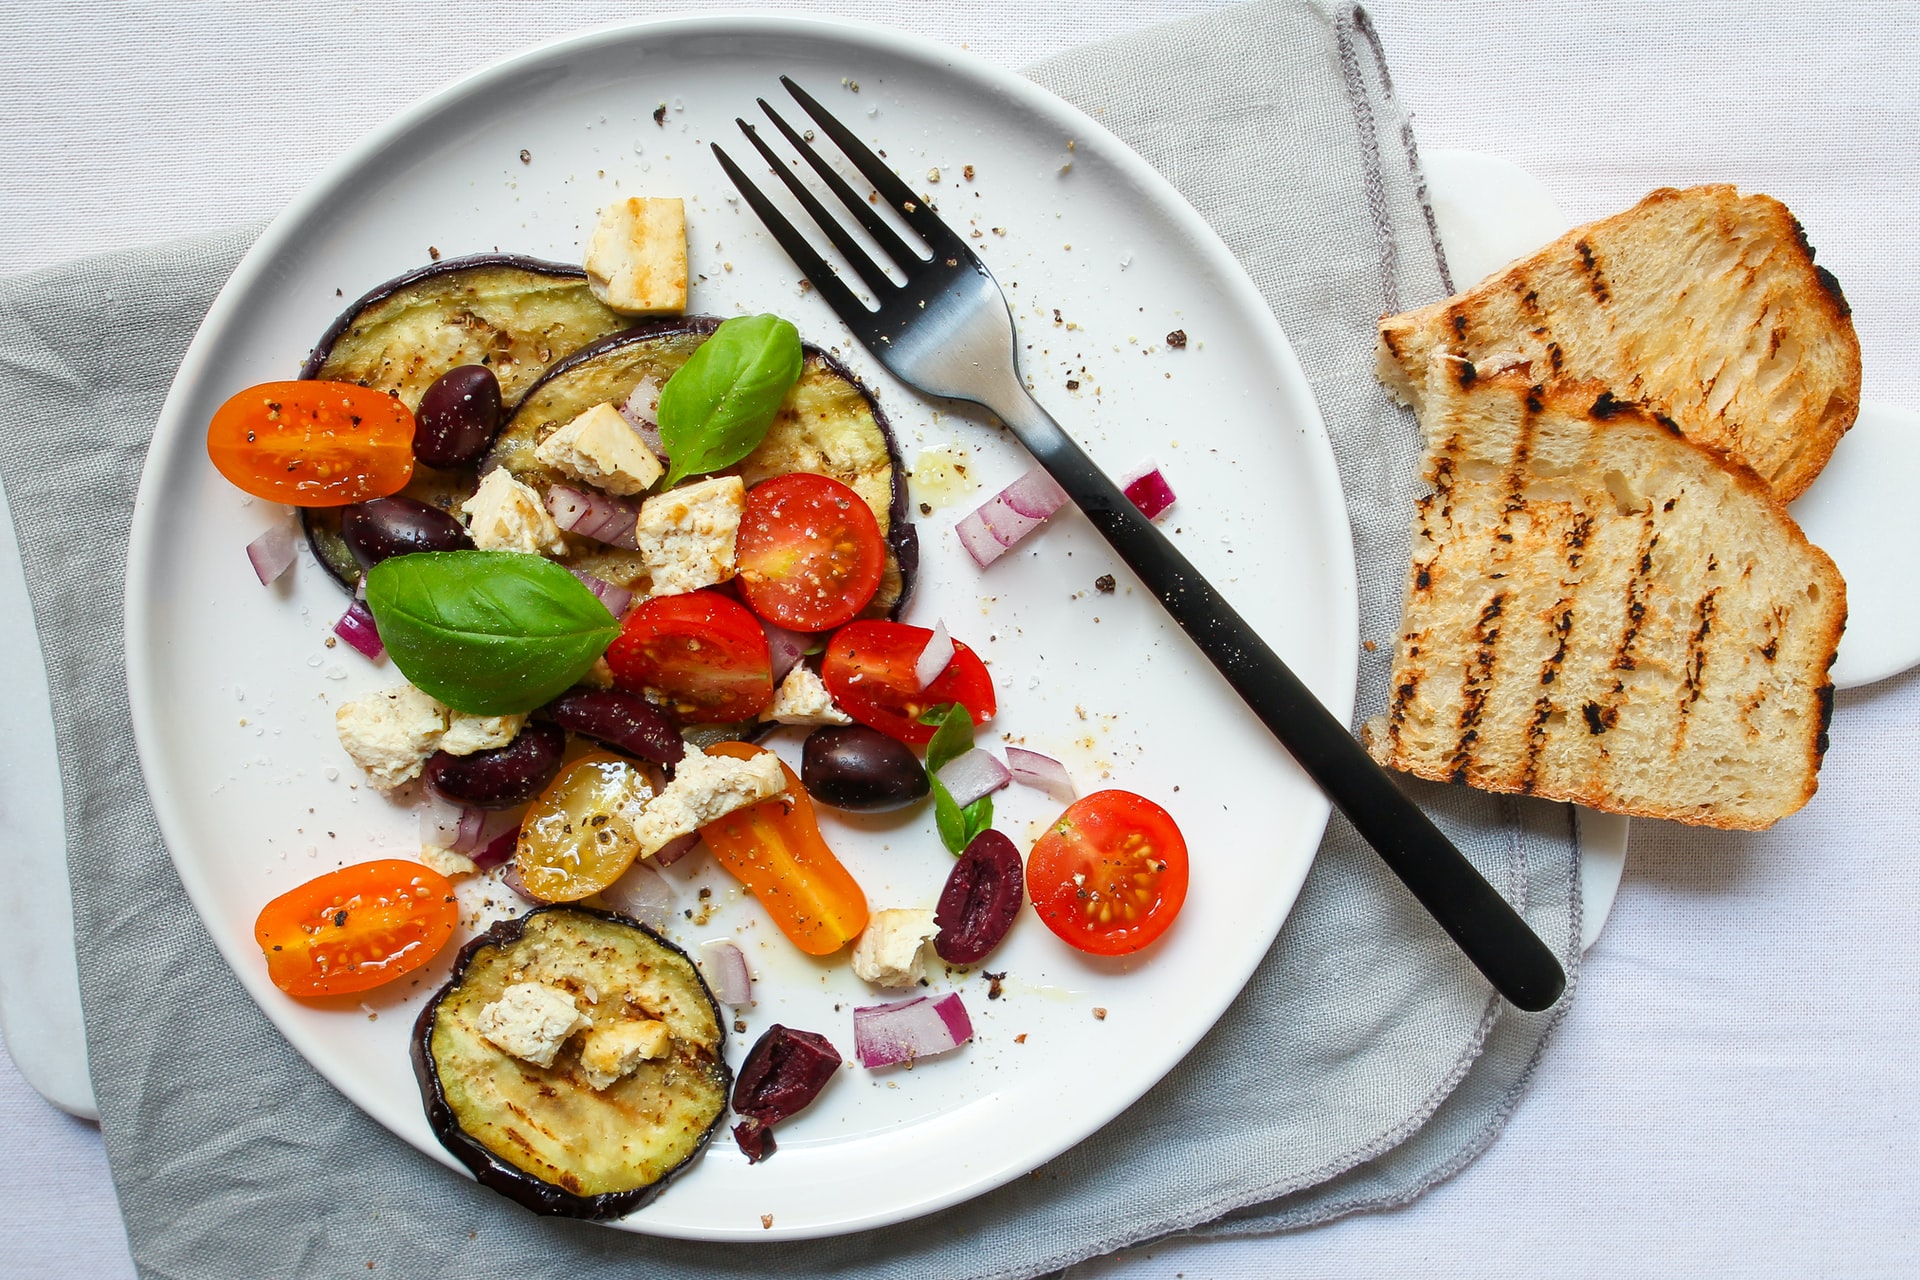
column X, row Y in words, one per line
column 313, row 444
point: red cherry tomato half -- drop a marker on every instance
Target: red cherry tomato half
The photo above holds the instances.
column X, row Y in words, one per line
column 356, row 928
column 703, row 650
column 313, row 444
column 1110, row 874
column 810, row 552
column 869, row 669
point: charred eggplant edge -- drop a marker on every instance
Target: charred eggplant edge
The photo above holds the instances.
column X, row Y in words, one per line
column 491, row 1171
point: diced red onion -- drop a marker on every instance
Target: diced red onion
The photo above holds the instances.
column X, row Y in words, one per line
column 450, row 826
column 971, row 775
column 615, row 597
column 594, row 515
column 472, row 822
column 675, row 849
column 725, row 970
column 499, row 850
column 936, row 657
column 1031, row 769
column 641, row 892
column 786, row 648
column 919, row 1028
column 1035, row 495
column 641, row 410
column 1147, row 489
column 357, row 629
column 272, row 553
column 1010, row 515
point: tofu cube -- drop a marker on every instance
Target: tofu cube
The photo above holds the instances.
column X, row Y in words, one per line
column 600, row 448
column 467, row 734
column 391, row 733
column 890, row 952
column 611, row 1052
column 637, row 259
column 505, row 515
column 802, row 698
column 704, row 789
column 530, row 1020
column 686, row 535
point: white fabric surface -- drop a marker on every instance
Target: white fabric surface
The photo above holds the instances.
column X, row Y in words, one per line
column 1733, row 1090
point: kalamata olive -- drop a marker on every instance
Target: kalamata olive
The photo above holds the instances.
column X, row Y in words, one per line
column 387, row 527
column 458, row 417
column 784, row 1071
column 505, row 776
column 624, row 720
column 980, row 901
column 860, row 768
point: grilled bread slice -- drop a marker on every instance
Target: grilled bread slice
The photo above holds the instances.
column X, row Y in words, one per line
column 1705, row 303
column 1602, row 611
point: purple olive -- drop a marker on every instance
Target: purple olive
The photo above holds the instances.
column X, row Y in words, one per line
column 623, row 720
column 505, row 776
column 980, row 901
column 860, row 768
column 458, row 417
column 385, row 527
column 784, row 1071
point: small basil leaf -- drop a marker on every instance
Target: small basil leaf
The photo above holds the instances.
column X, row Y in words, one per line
column 950, row 821
column 487, row 632
column 979, row 816
column 952, row 738
column 718, row 405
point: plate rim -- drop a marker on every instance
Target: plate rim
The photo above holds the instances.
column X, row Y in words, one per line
column 171, row 435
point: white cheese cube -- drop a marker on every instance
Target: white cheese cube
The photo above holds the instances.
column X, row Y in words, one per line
column 704, row 789
column 467, row 734
column 447, row 862
column 686, row 535
column 610, row 1052
column 390, row 734
column 802, row 698
column 889, row 953
column 505, row 515
column 601, row 448
column 530, row 1020
column 637, row 259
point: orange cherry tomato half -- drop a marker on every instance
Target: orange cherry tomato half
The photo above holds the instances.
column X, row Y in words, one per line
column 703, row 650
column 869, row 670
column 810, row 552
column 356, row 928
column 1110, row 874
column 775, row 848
column 313, row 444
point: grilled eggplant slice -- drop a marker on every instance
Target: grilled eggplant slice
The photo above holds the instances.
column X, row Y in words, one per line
column 515, row 315
column 829, row 424
column 543, row 1136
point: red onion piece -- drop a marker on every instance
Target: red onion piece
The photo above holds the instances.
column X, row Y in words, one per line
column 675, row 849
column 919, row 1028
column 1035, row 495
column 972, row 775
column 786, row 647
column 978, row 539
column 594, row 515
column 1147, row 489
column 357, row 629
column 936, row 657
column 499, row 850
column 472, row 821
column 1031, row 769
column 1010, row 515
column 642, row 410
column 272, row 553
column 641, row 892
column 615, row 597
column 725, row 970
column 440, row 823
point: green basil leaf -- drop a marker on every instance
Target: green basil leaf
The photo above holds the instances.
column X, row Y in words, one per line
column 718, row 405
column 952, row 736
column 979, row 816
column 487, row 632
column 950, row 821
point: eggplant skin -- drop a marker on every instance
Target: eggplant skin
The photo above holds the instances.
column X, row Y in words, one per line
column 561, row 943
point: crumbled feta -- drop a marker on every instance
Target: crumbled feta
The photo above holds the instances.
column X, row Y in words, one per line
column 391, row 733
column 802, row 698
column 599, row 675
column 447, row 862
column 601, row 448
column 467, row 734
column 505, row 515
column 889, row 953
column 637, row 259
column 530, row 1020
column 686, row 535
column 607, row 1053
column 704, row 789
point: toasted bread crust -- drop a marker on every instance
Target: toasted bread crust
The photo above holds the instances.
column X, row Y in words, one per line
column 1704, row 303
column 1655, row 645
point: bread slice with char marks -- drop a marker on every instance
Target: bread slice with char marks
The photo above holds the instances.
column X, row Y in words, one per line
column 1603, row 611
column 1704, row 303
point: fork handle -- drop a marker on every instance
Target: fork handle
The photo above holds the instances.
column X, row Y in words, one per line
column 1475, row 916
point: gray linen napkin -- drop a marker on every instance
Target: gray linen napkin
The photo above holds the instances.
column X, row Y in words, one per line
column 1363, row 1062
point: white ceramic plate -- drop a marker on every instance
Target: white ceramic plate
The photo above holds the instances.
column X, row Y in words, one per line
column 233, row 686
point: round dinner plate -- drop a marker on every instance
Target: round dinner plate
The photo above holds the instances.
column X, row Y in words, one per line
column 234, row 686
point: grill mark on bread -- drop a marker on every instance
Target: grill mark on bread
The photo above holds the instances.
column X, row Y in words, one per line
column 1543, row 706
column 1637, row 588
column 1596, row 279
column 1696, row 663
column 1475, row 686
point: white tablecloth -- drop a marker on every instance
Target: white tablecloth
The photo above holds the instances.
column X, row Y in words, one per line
column 1734, row 1090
